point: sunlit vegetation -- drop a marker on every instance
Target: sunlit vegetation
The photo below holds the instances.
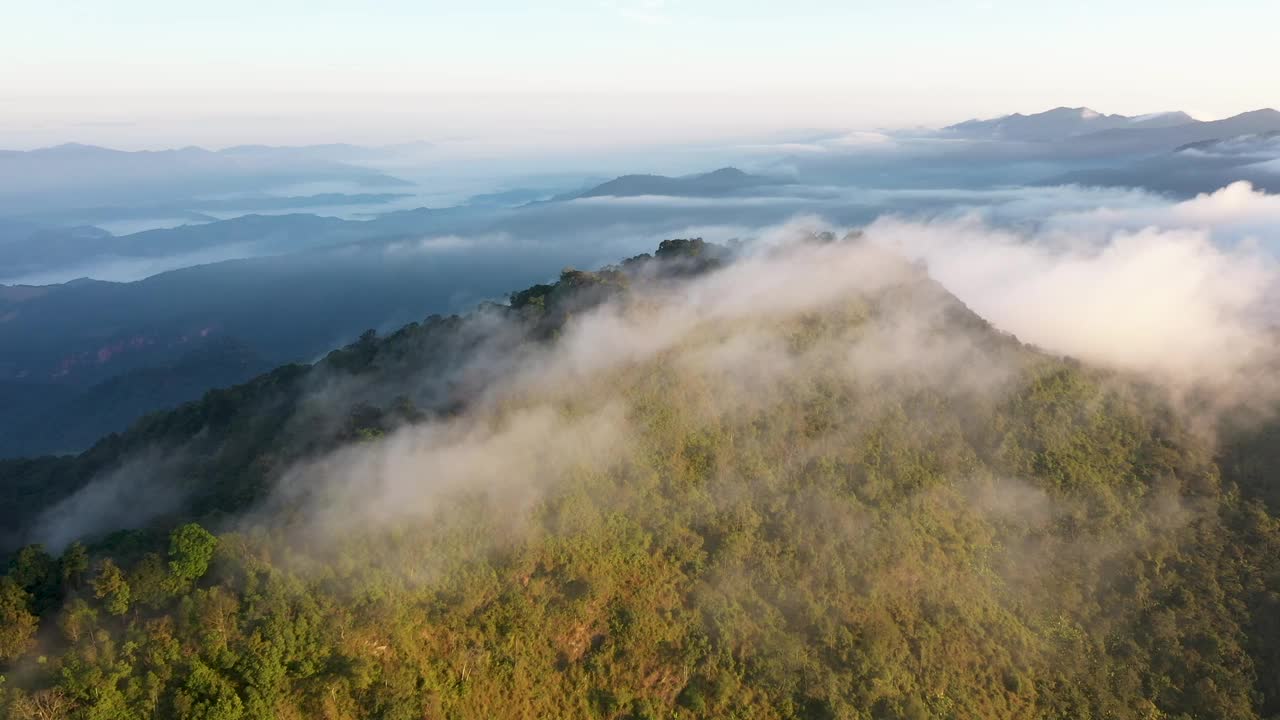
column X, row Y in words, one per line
column 1058, row 544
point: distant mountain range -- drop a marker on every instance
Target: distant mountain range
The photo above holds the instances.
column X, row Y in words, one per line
column 1061, row 123
column 27, row 251
column 332, row 152
column 299, row 283
column 79, row 176
column 1258, row 155
column 1063, row 145
column 87, row 357
column 51, row 417
column 1182, row 160
column 1263, row 146
column 1084, row 128
column 195, row 209
column 1163, row 139
column 303, row 284
column 725, row 181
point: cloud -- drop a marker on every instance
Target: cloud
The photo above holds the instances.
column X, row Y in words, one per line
column 144, row 487
column 867, row 140
column 1236, row 203
column 1241, row 147
column 693, row 202
column 508, row 459
column 536, row 413
column 447, row 243
column 1235, row 212
column 1168, row 301
column 1122, row 277
column 131, row 269
column 529, row 418
column 859, row 139
column 1270, row 166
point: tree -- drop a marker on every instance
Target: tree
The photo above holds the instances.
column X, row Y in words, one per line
column 32, row 568
column 47, row 704
column 73, row 564
column 17, row 624
column 111, row 587
column 148, row 581
column 190, row 550
column 207, row 695
column 78, row 620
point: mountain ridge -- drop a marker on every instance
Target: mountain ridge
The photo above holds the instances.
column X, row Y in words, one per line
column 724, row 181
column 1085, row 126
column 75, row 175
column 633, row 493
column 1061, row 123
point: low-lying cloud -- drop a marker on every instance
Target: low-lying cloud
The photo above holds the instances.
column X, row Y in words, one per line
column 1233, row 214
column 142, row 488
column 1166, row 301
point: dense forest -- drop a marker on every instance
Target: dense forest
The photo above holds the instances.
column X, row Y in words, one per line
column 797, row 482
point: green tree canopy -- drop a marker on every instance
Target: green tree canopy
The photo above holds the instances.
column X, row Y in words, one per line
column 191, row 548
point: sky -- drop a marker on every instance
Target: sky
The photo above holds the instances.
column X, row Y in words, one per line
column 151, row 73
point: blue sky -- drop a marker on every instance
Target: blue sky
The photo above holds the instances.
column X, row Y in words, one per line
column 139, row 71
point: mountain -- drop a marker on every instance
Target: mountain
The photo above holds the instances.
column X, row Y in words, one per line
column 301, row 284
column 1165, row 139
column 63, row 340
column 341, row 153
column 1229, row 152
column 288, row 307
column 49, row 418
column 78, row 176
column 1060, row 124
column 725, row 181
column 193, row 210
column 1161, row 119
column 26, row 246
column 1064, row 146
column 1260, row 146
column 1180, row 174
column 54, row 248
column 345, row 153
column 514, row 197
column 1082, row 129
column 17, row 230
column 804, row 483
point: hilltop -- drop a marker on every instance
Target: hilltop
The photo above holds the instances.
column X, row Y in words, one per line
column 796, row 482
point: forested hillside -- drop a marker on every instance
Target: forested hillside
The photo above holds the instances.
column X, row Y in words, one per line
column 797, row 482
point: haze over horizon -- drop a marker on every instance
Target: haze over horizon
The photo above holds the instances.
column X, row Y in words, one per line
column 141, row 74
